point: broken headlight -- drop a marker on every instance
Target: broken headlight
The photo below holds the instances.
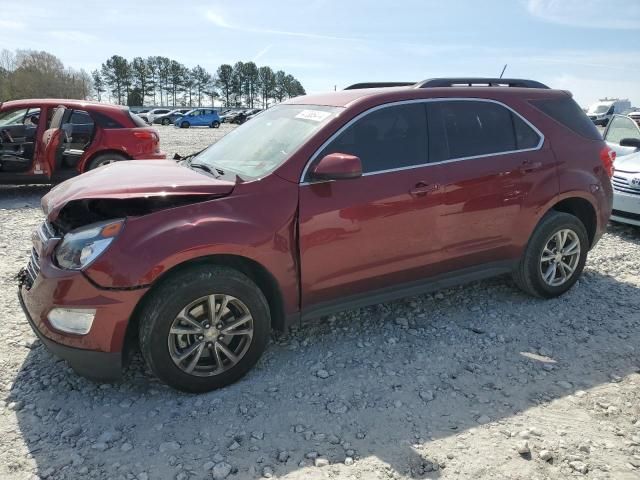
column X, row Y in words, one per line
column 83, row 245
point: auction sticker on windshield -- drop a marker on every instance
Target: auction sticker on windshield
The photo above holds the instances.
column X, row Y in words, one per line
column 315, row 115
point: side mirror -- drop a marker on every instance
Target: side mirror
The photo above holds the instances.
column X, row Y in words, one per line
column 630, row 142
column 337, row 166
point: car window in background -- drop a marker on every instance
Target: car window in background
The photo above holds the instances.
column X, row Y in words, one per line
column 137, row 120
column 260, row 146
column 388, row 138
column 622, row 127
column 13, row 117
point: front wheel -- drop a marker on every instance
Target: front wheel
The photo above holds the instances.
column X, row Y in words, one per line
column 166, row 121
column 215, row 124
column 554, row 257
column 184, row 125
column 204, row 328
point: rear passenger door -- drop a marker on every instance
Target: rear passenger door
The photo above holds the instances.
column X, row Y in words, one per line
column 492, row 164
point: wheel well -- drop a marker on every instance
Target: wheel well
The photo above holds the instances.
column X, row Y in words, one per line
column 583, row 210
column 252, row 269
column 102, row 152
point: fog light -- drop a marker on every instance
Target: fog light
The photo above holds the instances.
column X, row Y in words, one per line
column 72, row 320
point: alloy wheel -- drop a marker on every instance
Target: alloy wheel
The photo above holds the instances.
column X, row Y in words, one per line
column 560, row 257
column 210, row 335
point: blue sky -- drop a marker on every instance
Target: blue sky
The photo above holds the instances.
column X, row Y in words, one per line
column 590, row 47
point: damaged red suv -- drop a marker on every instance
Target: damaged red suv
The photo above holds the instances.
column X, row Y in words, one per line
column 323, row 203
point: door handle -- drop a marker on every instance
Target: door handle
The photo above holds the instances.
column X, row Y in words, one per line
column 529, row 166
column 422, row 188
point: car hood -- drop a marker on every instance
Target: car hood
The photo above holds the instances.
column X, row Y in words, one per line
column 135, row 179
column 628, row 163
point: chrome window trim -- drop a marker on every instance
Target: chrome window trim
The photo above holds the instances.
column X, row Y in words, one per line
column 423, row 100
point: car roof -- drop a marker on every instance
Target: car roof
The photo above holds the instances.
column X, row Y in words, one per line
column 346, row 98
column 55, row 102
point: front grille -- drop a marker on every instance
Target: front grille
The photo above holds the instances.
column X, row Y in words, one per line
column 46, row 232
column 621, row 184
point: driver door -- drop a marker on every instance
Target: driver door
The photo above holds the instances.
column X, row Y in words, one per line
column 619, row 128
column 52, row 144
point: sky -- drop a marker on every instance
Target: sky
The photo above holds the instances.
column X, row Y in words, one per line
column 589, row 47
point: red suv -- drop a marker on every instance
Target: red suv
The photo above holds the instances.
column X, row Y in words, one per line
column 48, row 141
column 323, row 203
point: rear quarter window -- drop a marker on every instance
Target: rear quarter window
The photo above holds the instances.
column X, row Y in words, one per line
column 567, row 112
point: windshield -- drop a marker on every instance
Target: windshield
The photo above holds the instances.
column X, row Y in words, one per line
column 599, row 108
column 262, row 144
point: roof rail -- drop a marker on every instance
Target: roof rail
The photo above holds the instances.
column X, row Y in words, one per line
column 379, row 85
column 480, row 82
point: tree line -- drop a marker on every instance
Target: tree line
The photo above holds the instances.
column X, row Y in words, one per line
column 38, row 74
column 160, row 80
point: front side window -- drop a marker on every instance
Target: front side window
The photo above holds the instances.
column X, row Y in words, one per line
column 387, row 138
column 621, row 127
column 462, row 129
column 260, row 146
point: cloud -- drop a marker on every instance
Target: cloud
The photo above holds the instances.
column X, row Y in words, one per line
column 73, row 36
column 11, row 25
column 261, row 53
column 218, row 20
column 602, row 14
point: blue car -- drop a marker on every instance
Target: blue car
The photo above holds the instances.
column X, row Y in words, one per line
column 199, row 117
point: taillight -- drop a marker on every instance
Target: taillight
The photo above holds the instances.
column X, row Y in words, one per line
column 145, row 135
column 607, row 157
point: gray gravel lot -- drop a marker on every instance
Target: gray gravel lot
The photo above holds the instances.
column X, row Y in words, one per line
column 477, row 382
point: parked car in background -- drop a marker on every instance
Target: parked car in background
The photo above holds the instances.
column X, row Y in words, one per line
column 199, row 117
column 319, row 204
column 623, row 136
column 601, row 112
column 226, row 114
column 255, row 112
column 635, row 116
column 171, row 117
column 151, row 114
column 50, row 140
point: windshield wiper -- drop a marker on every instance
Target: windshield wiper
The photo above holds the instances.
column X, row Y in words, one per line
column 205, row 167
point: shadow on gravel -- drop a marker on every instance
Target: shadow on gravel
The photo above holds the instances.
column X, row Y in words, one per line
column 19, row 196
column 397, row 376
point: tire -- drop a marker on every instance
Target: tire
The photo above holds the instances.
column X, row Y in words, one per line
column 104, row 159
column 166, row 121
column 215, row 124
column 529, row 276
column 162, row 309
column 184, row 125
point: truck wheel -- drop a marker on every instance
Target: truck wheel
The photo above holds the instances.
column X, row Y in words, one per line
column 204, row 328
column 554, row 257
column 104, row 159
column 184, row 125
column 215, row 124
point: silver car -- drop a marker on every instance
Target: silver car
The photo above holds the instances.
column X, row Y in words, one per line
column 623, row 136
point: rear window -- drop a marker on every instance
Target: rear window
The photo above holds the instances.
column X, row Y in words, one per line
column 568, row 113
column 137, row 120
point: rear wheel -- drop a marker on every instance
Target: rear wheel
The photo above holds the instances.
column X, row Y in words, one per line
column 215, row 124
column 554, row 257
column 204, row 328
column 184, row 125
column 105, row 159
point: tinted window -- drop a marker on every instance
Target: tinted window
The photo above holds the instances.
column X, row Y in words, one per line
column 387, row 138
column 566, row 111
column 78, row 117
column 105, row 121
column 526, row 137
column 621, row 127
column 469, row 128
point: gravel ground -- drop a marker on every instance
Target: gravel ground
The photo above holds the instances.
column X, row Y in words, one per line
column 477, row 382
